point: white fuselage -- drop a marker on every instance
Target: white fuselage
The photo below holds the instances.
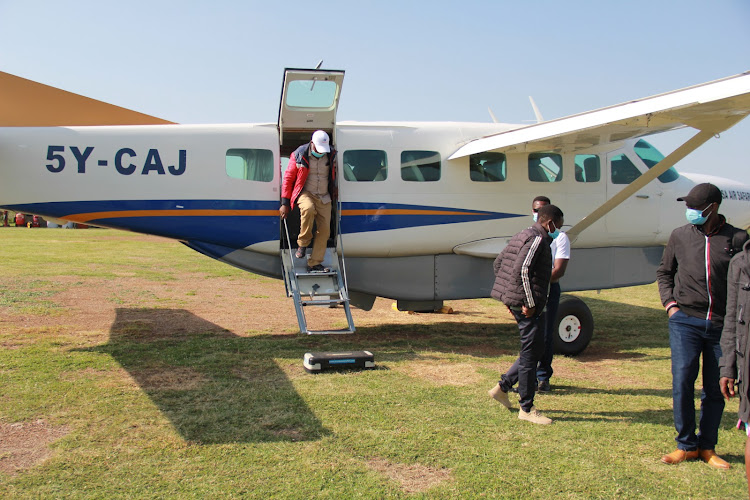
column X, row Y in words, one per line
column 173, row 180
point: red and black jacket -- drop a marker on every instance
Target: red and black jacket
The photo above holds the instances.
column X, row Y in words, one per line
column 297, row 172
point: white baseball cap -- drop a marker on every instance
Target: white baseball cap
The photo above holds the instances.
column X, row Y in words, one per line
column 321, row 141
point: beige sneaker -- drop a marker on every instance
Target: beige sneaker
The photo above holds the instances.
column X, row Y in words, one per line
column 500, row 396
column 533, row 416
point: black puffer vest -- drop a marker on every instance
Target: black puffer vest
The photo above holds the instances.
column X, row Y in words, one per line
column 523, row 270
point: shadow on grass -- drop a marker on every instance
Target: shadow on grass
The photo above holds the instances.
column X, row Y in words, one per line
column 217, row 387
column 619, row 331
column 567, row 390
column 214, row 386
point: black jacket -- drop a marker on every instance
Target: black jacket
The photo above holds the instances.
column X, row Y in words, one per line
column 693, row 270
column 735, row 357
column 523, row 270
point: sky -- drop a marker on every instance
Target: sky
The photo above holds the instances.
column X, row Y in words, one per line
column 223, row 61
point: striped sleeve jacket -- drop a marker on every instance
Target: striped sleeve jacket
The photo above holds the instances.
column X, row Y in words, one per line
column 523, row 270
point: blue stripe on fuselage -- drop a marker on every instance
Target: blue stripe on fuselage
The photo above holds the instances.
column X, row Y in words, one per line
column 240, row 231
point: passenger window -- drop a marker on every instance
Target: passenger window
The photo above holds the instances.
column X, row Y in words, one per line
column 420, row 166
column 623, row 170
column 365, row 165
column 250, row 164
column 588, row 168
column 545, row 167
column 487, row 167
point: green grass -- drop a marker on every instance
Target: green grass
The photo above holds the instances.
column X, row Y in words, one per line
column 206, row 412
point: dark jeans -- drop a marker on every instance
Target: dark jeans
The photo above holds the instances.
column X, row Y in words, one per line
column 544, row 370
column 689, row 337
column 523, row 370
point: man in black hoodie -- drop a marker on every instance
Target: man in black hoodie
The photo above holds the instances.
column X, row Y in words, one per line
column 522, row 277
column 692, row 281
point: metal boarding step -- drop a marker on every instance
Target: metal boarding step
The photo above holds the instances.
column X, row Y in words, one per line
column 316, row 289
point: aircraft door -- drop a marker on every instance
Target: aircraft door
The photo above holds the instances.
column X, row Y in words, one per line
column 309, row 101
column 636, row 221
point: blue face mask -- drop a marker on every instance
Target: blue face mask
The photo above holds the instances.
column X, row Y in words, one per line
column 696, row 217
column 535, row 216
column 317, row 155
column 554, row 234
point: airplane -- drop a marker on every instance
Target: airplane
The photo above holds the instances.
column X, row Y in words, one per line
column 423, row 207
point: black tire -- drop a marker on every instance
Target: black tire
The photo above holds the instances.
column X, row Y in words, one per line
column 574, row 326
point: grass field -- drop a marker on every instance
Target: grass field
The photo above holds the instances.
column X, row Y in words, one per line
column 132, row 367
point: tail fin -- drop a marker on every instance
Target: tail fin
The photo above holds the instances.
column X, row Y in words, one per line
column 25, row 103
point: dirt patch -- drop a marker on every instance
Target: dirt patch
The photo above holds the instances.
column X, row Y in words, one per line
column 26, row 444
column 608, row 372
column 442, row 372
column 415, row 478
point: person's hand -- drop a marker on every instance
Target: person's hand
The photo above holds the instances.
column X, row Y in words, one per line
column 672, row 311
column 528, row 312
column 283, row 211
column 726, row 385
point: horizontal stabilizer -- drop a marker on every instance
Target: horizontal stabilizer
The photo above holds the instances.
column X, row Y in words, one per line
column 25, row 103
column 712, row 107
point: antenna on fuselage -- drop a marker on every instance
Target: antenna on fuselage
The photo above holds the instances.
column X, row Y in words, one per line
column 320, row 63
column 539, row 118
column 492, row 115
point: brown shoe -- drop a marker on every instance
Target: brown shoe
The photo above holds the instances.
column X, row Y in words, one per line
column 678, row 456
column 534, row 416
column 712, row 459
column 499, row 395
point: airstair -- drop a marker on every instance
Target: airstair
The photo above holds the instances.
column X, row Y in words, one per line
column 316, row 289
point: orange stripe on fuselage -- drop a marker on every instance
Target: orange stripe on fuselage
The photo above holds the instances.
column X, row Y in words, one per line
column 87, row 217
column 404, row 211
column 167, row 213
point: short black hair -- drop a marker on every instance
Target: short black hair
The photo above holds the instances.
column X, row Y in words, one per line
column 541, row 198
column 550, row 212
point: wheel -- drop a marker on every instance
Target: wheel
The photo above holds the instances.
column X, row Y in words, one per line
column 574, row 326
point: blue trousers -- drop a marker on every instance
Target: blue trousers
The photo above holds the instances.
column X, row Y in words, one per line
column 544, row 370
column 689, row 338
column 523, row 370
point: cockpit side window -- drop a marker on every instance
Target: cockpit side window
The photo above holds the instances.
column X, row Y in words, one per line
column 651, row 156
column 487, row 167
column 623, row 170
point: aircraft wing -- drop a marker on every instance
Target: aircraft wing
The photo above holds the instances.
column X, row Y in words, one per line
column 25, row 103
column 714, row 107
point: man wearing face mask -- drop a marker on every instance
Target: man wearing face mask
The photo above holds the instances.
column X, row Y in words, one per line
column 309, row 181
column 692, row 281
column 560, row 256
column 522, row 277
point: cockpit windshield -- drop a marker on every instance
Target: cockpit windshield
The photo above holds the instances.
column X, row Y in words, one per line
column 651, row 156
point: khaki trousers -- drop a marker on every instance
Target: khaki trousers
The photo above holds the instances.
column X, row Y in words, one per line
column 311, row 209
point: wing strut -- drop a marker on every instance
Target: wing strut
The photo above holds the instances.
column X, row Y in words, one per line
column 678, row 154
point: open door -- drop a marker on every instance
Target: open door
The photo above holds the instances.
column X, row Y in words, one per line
column 309, row 100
